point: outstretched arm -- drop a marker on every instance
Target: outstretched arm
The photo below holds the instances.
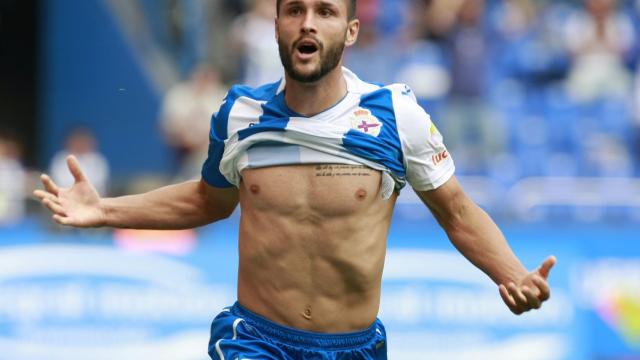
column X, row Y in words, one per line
column 480, row 240
column 180, row 206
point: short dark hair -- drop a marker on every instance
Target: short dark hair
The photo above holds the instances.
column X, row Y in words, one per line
column 351, row 9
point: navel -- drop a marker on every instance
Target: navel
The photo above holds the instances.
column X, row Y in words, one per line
column 307, row 313
column 361, row 194
column 255, row 189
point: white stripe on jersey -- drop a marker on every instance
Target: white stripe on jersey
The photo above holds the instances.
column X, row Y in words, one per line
column 380, row 127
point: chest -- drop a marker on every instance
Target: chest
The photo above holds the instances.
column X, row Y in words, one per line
column 327, row 189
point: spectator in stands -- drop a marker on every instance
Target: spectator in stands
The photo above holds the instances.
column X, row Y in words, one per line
column 188, row 28
column 472, row 130
column 13, row 179
column 81, row 143
column 468, row 48
column 530, row 50
column 186, row 118
column 517, row 17
column 254, row 41
column 233, row 7
column 364, row 58
column 599, row 38
column 423, row 66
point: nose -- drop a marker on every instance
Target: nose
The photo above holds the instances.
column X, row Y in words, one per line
column 309, row 24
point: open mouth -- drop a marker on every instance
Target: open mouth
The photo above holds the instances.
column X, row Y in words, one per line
column 306, row 47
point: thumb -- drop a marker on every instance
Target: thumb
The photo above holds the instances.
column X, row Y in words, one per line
column 546, row 266
column 74, row 168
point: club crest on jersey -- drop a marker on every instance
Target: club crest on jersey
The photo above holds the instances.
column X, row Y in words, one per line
column 363, row 120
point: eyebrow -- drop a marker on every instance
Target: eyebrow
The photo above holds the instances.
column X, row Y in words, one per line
column 297, row 2
column 328, row 4
column 320, row 4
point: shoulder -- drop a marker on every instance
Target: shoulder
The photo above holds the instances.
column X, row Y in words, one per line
column 262, row 93
column 243, row 102
column 392, row 95
column 403, row 95
column 399, row 98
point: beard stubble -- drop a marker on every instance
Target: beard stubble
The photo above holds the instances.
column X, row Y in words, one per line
column 329, row 60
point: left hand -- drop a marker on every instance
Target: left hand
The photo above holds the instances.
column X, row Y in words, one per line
column 530, row 291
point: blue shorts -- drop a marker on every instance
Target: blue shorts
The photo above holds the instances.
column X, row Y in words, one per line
column 238, row 334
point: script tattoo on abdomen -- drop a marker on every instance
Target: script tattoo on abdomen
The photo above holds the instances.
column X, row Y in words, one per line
column 342, row 170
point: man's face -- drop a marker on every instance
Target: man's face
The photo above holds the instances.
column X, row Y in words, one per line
column 312, row 35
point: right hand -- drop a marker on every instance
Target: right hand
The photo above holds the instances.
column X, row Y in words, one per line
column 79, row 205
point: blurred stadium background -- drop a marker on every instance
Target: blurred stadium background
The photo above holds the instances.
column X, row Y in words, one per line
column 539, row 102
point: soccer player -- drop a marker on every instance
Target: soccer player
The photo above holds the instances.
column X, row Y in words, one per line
column 316, row 162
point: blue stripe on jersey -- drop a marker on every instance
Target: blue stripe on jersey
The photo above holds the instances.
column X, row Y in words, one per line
column 210, row 170
column 219, row 130
column 275, row 117
column 384, row 149
column 263, row 93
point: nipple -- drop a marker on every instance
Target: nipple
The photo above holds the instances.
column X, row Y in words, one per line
column 254, row 189
column 361, row 194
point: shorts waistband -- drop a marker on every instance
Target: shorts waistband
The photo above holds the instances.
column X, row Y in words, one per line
column 296, row 337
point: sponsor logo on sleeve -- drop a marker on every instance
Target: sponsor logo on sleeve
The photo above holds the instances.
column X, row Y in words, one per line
column 440, row 157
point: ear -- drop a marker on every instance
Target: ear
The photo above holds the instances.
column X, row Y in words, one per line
column 352, row 32
column 275, row 22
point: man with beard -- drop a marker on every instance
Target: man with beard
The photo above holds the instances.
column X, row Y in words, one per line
column 316, row 162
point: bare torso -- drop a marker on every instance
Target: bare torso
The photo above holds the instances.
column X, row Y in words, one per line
column 312, row 245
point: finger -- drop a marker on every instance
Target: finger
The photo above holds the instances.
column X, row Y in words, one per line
column 542, row 285
column 41, row 195
column 508, row 299
column 533, row 301
column 546, row 266
column 62, row 220
column 74, row 167
column 54, row 207
column 521, row 300
column 50, row 198
column 49, row 185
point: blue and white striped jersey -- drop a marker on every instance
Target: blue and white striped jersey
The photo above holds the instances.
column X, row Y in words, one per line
column 382, row 127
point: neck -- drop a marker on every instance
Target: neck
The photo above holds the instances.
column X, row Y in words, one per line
column 309, row 99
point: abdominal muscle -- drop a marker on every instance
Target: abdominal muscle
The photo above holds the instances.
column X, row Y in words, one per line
column 312, row 245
